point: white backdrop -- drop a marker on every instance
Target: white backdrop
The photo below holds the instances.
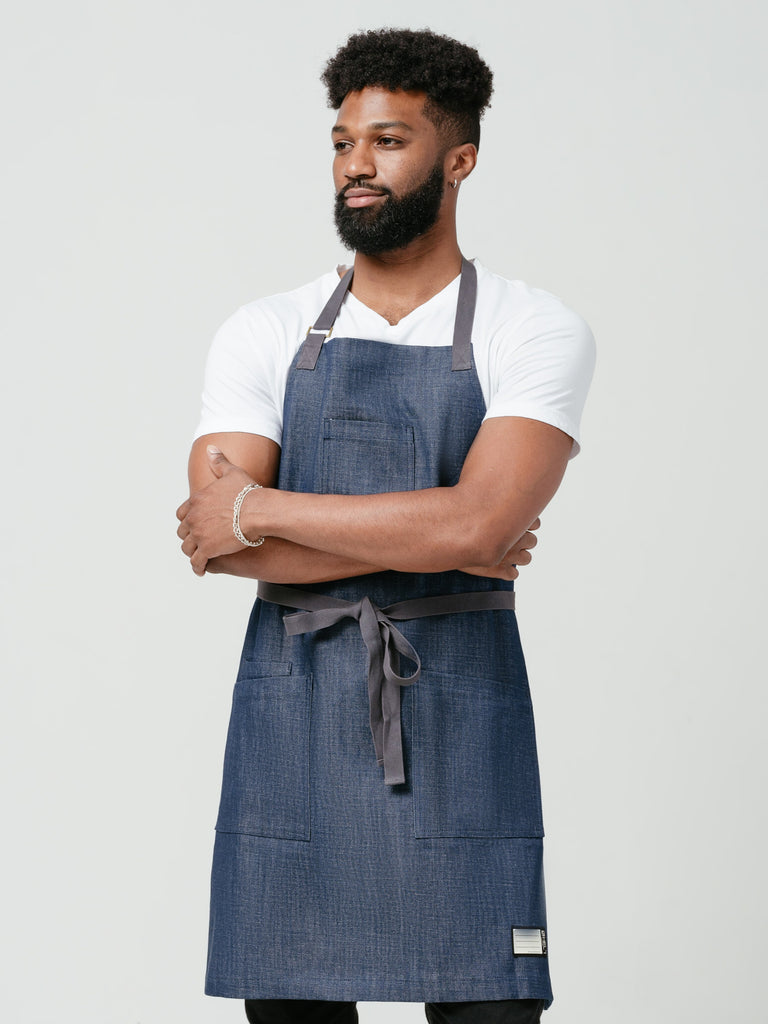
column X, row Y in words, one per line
column 165, row 162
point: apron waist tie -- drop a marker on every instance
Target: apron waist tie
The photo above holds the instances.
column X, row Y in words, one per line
column 384, row 643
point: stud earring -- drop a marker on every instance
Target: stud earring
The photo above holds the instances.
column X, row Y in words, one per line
column 455, row 184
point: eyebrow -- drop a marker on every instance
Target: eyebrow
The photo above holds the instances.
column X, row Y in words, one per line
column 376, row 126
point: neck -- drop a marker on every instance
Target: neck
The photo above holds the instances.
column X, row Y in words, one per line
column 393, row 284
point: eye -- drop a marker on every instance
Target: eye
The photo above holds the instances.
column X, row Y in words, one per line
column 340, row 146
column 387, row 141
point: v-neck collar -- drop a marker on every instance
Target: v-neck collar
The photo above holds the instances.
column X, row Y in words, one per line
column 415, row 314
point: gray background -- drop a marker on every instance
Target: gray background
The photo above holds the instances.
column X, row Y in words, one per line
column 166, row 162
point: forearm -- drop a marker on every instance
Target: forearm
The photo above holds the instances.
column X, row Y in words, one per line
column 512, row 471
column 431, row 530
column 282, row 561
column 510, row 475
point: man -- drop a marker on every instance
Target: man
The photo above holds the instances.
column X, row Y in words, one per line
column 379, row 835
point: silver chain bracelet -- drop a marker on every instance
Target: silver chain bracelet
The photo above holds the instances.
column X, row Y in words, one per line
column 236, row 518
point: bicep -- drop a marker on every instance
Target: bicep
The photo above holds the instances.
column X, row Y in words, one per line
column 512, row 471
column 259, row 456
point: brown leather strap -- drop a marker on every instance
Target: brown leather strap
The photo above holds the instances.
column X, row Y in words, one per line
column 465, row 315
column 317, row 334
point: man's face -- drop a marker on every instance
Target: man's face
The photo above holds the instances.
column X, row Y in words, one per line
column 388, row 170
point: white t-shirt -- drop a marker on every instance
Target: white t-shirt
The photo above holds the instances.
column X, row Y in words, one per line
column 534, row 355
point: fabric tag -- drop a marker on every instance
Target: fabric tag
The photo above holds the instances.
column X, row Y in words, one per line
column 529, row 942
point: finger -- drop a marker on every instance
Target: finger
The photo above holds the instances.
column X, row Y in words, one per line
column 502, row 571
column 189, row 547
column 523, row 557
column 183, row 530
column 535, row 524
column 198, row 562
column 218, row 461
column 182, row 510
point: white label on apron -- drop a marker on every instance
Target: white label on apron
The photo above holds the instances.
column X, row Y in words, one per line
column 529, row 942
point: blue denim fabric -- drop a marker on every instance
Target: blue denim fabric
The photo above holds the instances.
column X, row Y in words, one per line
column 328, row 884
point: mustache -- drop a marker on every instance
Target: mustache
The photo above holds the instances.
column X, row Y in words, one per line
column 362, row 184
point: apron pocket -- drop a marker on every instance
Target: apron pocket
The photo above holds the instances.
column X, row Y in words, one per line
column 367, row 457
column 475, row 770
column 265, row 791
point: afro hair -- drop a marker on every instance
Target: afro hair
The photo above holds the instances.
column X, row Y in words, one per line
column 456, row 80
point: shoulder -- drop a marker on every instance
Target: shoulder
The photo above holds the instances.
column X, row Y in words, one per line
column 518, row 311
column 284, row 316
column 537, row 352
column 249, row 358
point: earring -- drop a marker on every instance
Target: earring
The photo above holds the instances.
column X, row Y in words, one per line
column 455, row 184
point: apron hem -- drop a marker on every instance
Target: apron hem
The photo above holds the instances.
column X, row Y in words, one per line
column 370, row 993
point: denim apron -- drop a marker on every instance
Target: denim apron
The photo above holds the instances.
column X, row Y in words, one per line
column 379, row 834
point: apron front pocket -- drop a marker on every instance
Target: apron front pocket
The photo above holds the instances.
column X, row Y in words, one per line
column 265, row 790
column 367, row 457
column 475, row 769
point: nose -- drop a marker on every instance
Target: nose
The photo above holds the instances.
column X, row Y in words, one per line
column 359, row 163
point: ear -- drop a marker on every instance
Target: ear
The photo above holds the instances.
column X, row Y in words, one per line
column 460, row 162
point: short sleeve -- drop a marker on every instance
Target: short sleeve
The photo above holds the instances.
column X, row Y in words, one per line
column 542, row 368
column 242, row 378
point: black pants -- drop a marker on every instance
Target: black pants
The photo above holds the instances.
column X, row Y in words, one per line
column 318, row 1011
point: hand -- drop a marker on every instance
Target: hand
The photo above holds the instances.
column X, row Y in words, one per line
column 518, row 554
column 205, row 526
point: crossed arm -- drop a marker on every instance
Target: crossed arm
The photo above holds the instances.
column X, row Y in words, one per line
column 279, row 560
column 482, row 524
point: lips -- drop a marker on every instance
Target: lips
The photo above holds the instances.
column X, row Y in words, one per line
column 361, row 196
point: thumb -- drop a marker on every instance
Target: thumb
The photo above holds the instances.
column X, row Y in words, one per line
column 218, row 461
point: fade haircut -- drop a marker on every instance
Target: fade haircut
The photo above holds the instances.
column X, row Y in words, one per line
column 457, row 81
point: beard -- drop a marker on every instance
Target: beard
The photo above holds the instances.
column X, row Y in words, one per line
column 394, row 223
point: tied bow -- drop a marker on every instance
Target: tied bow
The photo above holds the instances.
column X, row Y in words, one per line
column 384, row 643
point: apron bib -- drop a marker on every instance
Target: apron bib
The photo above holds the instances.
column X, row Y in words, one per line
column 379, row 834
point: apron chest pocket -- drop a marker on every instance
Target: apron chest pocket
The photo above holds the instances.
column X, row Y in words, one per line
column 367, row 457
column 265, row 790
column 475, row 770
